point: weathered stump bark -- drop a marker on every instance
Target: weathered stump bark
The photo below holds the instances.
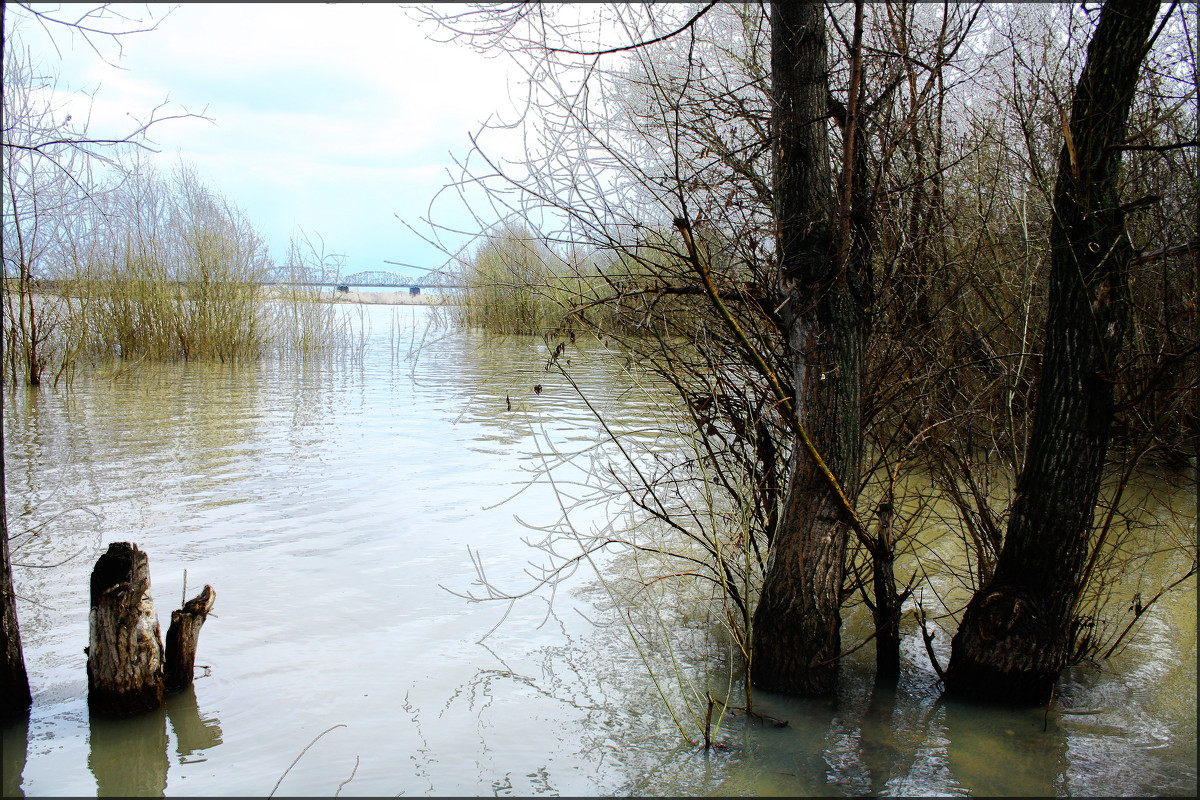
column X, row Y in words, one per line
column 182, row 636
column 125, row 654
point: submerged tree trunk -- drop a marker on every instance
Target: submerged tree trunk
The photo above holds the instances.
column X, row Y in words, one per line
column 13, row 677
column 797, row 622
column 888, row 602
column 125, row 654
column 181, row 639
column 1018, row 630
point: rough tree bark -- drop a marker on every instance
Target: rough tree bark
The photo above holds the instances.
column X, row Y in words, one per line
column 125, row 654
column 797, row 623
column 15, row 699
column 1018, row 630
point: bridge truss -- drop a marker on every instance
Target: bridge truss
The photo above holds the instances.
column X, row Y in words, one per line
column 371, row 278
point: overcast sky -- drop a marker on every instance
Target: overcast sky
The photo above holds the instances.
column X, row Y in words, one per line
column 333, row 120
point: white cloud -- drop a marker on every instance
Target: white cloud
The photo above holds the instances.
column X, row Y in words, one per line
column 331, row 119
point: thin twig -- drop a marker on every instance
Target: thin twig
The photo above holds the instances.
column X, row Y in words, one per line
column 645, row 43
column 352, row 774
column 48, row 566
column 302, row 752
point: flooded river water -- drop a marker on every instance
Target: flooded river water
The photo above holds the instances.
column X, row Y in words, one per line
column 341, row 509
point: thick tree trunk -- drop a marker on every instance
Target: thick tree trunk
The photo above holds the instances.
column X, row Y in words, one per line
column 797, row 622
column 1018, row 630
column 181, row 639
column 125, row 654
column 16, row 698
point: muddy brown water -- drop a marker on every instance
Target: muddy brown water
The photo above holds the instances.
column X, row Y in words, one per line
column 340, row 509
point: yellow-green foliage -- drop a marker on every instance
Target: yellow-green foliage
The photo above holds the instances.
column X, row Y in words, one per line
column 517, row 283
column 155, row 269
column 514, row 283
column 178, row 278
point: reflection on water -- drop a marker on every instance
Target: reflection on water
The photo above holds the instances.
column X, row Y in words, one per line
column 989, row 747
column 12, row 757
column 332, row 506
column 193, row 733
column 131, row 757
column 127, row 757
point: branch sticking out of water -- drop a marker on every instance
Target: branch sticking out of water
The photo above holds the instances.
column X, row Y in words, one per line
column 928, row 637
column 353, row 772
column 302, row 752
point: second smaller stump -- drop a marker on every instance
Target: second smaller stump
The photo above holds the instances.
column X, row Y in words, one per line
column 182, row 636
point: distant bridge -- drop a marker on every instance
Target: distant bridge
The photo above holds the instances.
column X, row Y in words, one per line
column 372, row 278
column 432, row 280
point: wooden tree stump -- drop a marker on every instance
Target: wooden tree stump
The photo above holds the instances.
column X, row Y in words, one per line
column 182, row 636
column 125, row 654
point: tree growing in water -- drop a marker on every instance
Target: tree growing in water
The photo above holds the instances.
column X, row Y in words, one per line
column 1018, row 631
column 802, row 308
column 797, row 624
column 16, row 696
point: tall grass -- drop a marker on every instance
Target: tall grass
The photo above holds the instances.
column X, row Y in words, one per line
column 302, row 323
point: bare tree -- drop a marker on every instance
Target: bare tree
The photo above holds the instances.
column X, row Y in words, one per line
column 852, row 248
column 1018, row 632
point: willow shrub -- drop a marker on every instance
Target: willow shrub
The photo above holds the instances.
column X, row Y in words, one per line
column 516, row 283
column 512, row 284
column 178, row 278
column 160, row 270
